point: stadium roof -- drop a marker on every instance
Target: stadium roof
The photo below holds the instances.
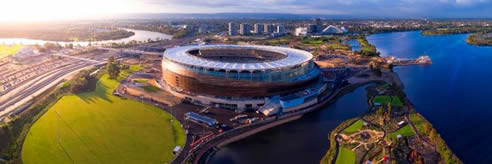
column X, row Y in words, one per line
column 181, row 55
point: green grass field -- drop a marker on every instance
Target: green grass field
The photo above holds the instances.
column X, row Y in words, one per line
column 354, row 127
column 405, row 131
column 345, row 156
column 150, row 88
column 419, row 123
column 141, row 81
column 383, row 100
column 96, row 127
column 396, row 101
column 9, row 50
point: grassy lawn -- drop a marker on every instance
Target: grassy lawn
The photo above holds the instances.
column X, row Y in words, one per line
column 405, row 131
column 419, row 123
column 354, row 127
column 6, row 51
column 383, row 100
column 141, row 81
column 396, row 101
column 150, row 88
column 345, row 156
column 97, row 127
column 338, row 46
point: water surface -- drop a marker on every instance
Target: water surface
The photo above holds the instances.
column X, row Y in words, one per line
column 454, row 93
column 140, row 35
column 301, row 141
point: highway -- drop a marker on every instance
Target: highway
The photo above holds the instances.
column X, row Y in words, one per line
column 23, row 95
column 17, row 97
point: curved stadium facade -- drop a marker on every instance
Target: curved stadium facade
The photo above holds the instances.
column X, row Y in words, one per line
column 238, row 77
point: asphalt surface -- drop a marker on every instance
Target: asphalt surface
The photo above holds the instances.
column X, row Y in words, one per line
column 44, row 80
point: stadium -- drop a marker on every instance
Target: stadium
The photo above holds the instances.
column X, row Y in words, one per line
column 239, row 77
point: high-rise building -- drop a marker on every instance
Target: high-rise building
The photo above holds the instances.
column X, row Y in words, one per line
column 259, row 28
column 232, row 28
column 269, row 28
column 311, row 28
column 244, row 29
column 280, row 29
column 319, row 25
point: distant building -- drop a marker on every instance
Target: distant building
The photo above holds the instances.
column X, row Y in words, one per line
column 269, row 28
column 259, row 28
column 332, row 30
column 280, row 29
column 244, row 29
column 232, row 28
column 301, row 31
column 203, row 28
column 311, row 28
column 318, row 25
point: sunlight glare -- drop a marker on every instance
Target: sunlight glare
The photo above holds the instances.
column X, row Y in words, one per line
column 40, row 10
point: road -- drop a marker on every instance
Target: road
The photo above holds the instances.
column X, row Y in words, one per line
column 17, row 98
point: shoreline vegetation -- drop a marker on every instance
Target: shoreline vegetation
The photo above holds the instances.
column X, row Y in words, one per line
column 65, row 33
column 480, row 39
column 367, row 48
column 455, row 30
column 390, row 130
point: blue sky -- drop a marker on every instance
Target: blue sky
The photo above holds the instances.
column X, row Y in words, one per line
column 384, row 8
column 17, row 10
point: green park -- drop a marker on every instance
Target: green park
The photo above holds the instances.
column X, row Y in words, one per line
column 97, row 127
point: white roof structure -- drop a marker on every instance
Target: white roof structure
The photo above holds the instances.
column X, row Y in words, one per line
column 332, row 30
column 293, row 57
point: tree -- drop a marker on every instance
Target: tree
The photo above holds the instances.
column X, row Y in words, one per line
column 433, row 135
column 427, row 128
column 388, row 112
column 113, row 68
column 389, row 109
column 80, row 82
column 380, row 111
column 70, row 46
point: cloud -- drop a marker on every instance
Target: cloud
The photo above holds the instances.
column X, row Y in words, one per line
column 350, row 7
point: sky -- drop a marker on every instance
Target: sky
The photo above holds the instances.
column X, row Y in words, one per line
column 38, row 10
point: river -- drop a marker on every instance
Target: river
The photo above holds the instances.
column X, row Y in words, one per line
column 140, row 35
column 301, row 141
column 454, row 93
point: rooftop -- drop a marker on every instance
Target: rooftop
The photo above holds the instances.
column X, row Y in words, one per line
column 181, row 55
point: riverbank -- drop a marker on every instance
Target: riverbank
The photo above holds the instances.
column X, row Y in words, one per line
column 381, row 132
column 137, row 36
column 454, row 101
column 480, row 39
column 67, row 34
